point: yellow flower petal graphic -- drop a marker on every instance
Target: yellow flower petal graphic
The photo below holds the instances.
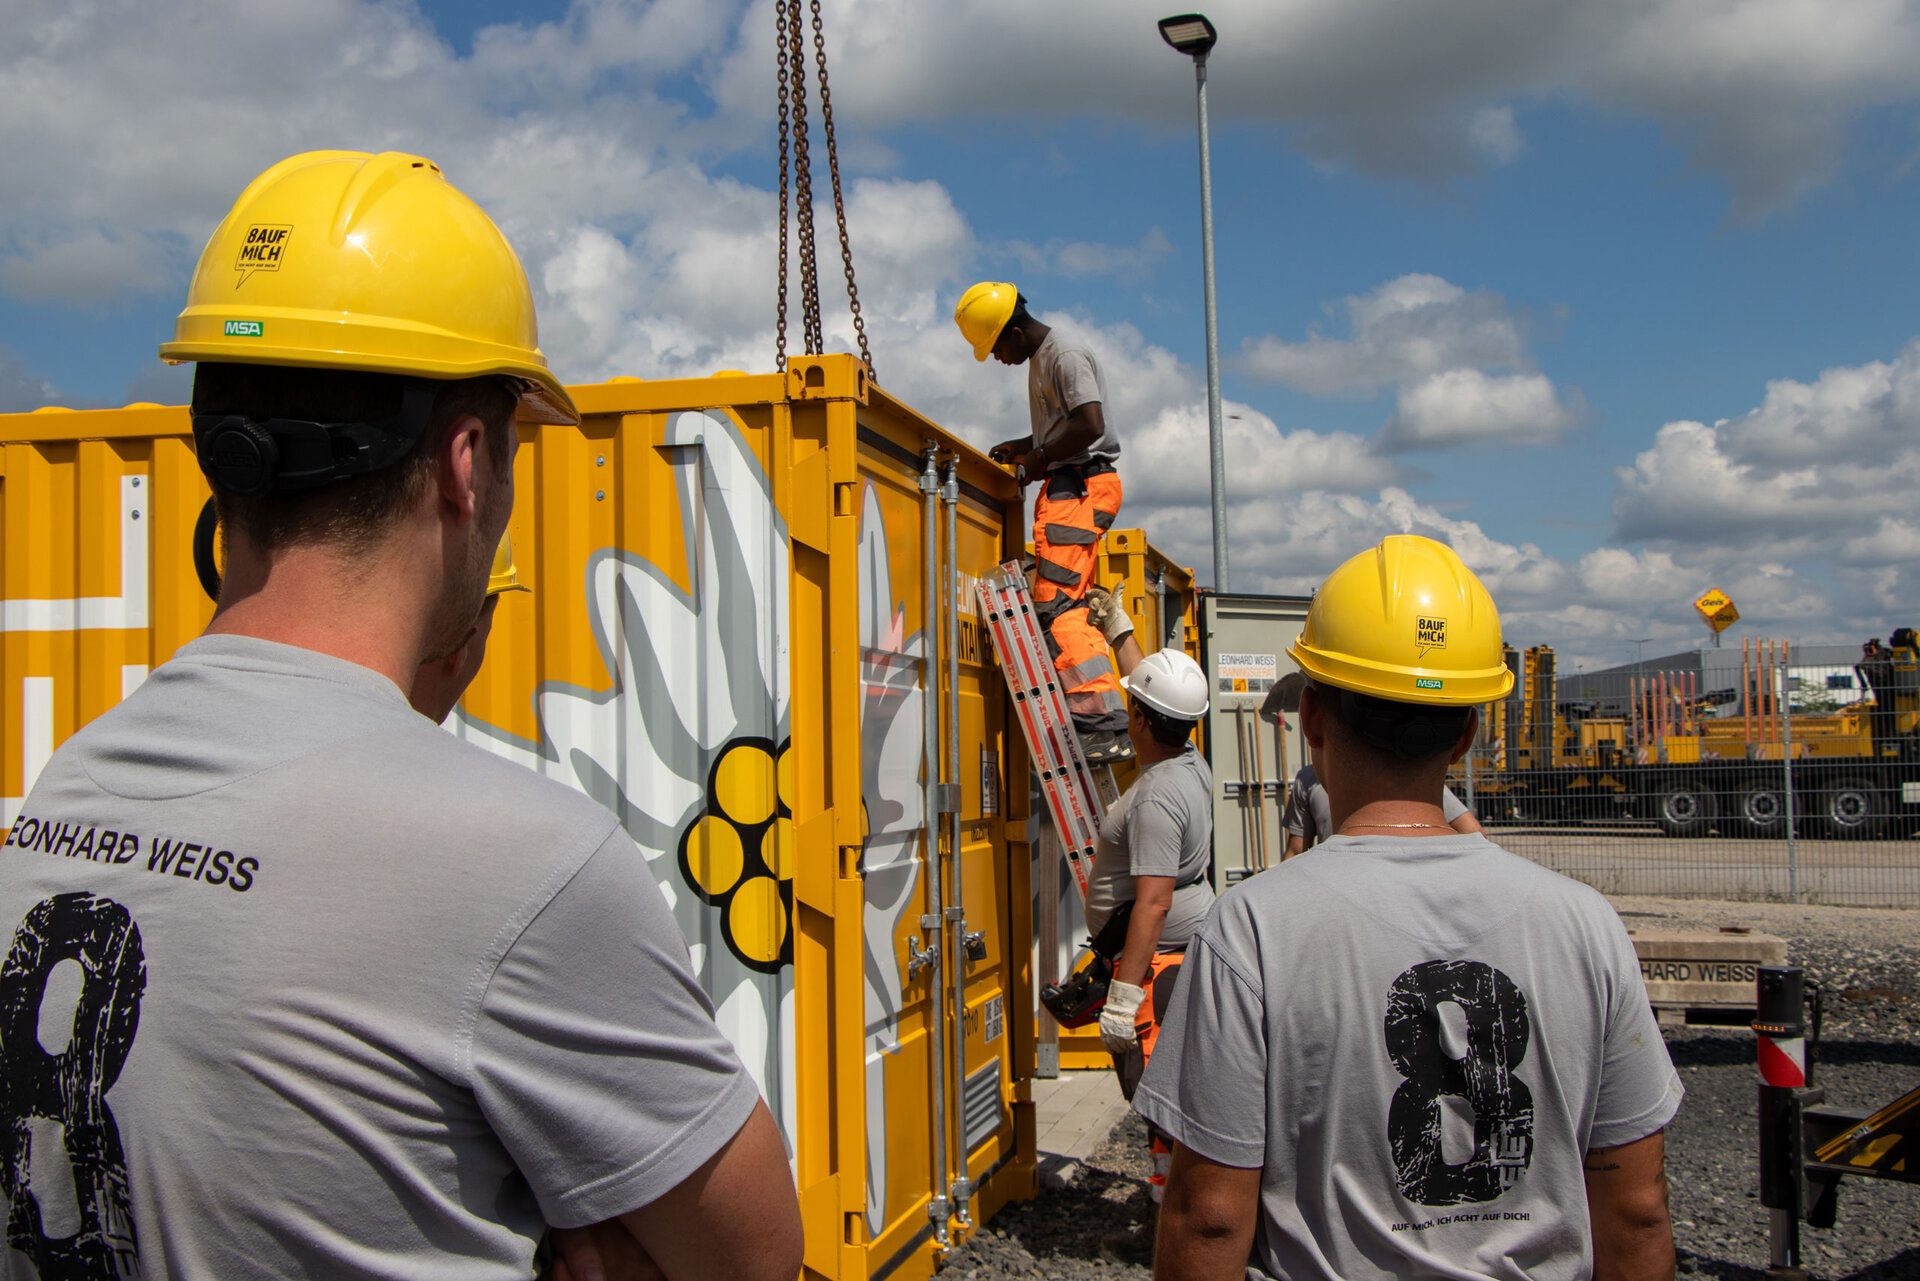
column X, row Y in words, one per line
column 779, row 848
column 715, row 857
column 757, row 919
column 743, row 784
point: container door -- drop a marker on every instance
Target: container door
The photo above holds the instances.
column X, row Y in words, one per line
column 988, row 937
column 898, row 640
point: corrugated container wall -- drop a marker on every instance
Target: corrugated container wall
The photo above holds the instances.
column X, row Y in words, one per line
column 751, row 635
column 1244, row 640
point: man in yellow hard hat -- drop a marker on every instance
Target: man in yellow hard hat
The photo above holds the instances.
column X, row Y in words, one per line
column 1407, row 1052
column 357, row 999
column 1071, row 450
column 440, row 682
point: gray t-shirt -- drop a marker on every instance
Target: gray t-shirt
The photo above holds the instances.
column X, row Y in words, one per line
column 1162, row 826
column 1062, row 376
column 1308, row 814
column 1418, row 1041
column 363, row 1000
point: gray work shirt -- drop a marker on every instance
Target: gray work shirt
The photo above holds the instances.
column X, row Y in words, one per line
column 1417, row 1041
column 1162, row 826
column 1062, row 375
column 363, row 1000
column 1308, row 815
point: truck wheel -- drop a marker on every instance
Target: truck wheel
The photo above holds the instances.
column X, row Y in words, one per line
column 1686, row 809
column 1852, row 809
column 1761, row 811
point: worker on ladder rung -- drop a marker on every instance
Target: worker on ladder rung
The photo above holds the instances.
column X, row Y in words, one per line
column 1072, row 451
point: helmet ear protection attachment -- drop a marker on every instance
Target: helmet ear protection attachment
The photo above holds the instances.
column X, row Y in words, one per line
column 254, row 456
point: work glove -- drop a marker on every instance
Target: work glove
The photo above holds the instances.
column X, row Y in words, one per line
column 1104, row 611
column 1117, row 1029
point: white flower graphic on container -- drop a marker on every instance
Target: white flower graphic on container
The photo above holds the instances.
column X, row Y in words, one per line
column 688, row 747
column 892, row 708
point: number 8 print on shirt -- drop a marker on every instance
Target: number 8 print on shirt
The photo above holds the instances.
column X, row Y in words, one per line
column 70, row 1088
column 1480, row 1072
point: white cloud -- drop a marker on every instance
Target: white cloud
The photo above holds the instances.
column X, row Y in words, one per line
column 1166, row 460
column 1760, row 91
column 1080, row 258
column 1467, row 406
column 128, row 127
column 1438, row 342
column 89, row 266
column 1862, row 413
column 1813, row 466
column 1406, row 329
column 1492, row 134
column 1800, row 509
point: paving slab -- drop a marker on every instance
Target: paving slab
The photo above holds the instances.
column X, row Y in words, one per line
column 1075, row 1111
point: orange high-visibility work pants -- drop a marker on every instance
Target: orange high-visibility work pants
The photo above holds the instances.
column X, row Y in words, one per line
column 1076, row 507
column 1163, row 976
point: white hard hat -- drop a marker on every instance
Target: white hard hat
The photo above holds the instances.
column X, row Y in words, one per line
column 1170, row 683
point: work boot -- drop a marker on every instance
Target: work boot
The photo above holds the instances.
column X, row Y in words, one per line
column 1105, row 746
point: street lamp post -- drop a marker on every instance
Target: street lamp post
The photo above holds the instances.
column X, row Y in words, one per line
column 1193, row 35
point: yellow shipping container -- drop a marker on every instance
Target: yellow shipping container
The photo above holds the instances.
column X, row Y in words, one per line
column 752, row 635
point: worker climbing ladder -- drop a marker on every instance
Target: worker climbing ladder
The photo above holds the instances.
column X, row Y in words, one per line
column 1076, row 792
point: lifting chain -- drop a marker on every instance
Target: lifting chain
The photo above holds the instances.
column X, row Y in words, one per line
column 790, row 57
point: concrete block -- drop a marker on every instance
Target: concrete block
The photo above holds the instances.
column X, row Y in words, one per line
column 1702, row 967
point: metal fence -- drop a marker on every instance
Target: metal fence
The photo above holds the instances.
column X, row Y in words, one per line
column 1795, row 785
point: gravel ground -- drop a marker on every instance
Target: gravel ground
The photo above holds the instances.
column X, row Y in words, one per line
column 1867, row 959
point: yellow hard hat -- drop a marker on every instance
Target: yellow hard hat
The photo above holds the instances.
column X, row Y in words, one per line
column 983, row 312
column 505, row 576
column 347, row 260
column 1405, row 621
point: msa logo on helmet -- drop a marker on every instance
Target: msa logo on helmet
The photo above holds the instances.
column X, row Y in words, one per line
column 262, row 250
column 1428, row 682
column 1429, row 633
column 244, row 329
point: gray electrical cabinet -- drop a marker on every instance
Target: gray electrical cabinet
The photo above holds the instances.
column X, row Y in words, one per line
column 1243, row 641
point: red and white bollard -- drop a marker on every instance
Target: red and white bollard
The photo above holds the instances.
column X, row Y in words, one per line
column 1780, row 1027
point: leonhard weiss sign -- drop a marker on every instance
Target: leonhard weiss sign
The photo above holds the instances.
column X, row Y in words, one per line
column 1702, row 967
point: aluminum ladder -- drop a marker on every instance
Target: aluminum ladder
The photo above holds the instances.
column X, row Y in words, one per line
column 1077, row 793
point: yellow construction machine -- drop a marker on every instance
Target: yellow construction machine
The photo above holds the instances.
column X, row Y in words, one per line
column 1698, row 762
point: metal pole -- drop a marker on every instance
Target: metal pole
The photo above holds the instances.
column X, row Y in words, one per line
column 1786, row 730
column 932, row 922
column 1216, row 445
column 1470, row 797
column 962, row 1187
column 1780, row 1034
column 1049, row 866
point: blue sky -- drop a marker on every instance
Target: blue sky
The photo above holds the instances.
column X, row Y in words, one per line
column 1614, row 297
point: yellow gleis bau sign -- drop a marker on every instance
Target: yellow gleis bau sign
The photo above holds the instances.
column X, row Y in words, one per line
column 1717, row 608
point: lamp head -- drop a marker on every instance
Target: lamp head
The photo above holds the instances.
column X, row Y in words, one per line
column 1190, row 33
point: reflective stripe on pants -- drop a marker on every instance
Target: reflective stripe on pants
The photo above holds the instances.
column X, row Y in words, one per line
column 1069, row 517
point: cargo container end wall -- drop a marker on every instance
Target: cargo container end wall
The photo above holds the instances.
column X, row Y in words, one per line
column 751, row 635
